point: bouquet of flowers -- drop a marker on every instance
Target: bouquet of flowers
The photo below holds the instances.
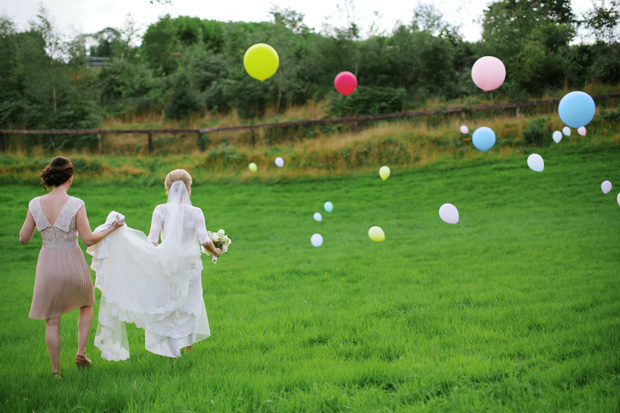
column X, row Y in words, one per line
column 220, row 240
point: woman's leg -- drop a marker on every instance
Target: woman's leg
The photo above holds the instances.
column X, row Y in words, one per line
column 85, row 320
column 52, row 339
column 188, row 349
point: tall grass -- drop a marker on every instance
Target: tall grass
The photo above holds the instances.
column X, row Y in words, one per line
column 514, row 309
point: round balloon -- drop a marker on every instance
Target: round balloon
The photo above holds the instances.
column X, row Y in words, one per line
column 376, row 234
column 536, row 162
column 345, row 83
column 261, row 61
column 449, row 214
column 318, row 217
column 576, row 109
column 606, row 187
column 483, row 138
column 488, row 73
column 582, row 131
column 384, row 172
column 557, row 136
column 464, row 129
column 328, row 206
column 279, row 162
column 316, row 240
column 566, row 130
column 252, row 167
column 618, row 198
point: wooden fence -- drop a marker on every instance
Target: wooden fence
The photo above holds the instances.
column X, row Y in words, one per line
column 349, row 120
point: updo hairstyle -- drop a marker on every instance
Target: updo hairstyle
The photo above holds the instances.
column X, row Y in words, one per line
column 57, row 172
column 179, row 175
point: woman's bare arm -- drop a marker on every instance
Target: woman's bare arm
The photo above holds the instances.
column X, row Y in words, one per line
column 88, row 237
column 215, row 251
column 25, row 234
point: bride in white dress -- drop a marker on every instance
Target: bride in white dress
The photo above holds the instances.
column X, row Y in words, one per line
column 156, row 286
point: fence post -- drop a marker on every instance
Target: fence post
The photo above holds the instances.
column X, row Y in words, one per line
column 100, row 143
column 517, row 112
column 51, row 142
column 2, row 143
column 252, row 138
column 150, row 142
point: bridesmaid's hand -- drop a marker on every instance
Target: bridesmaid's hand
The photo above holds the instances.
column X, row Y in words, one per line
column 117, row 224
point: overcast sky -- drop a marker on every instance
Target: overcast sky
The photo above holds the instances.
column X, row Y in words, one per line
column 72, row 17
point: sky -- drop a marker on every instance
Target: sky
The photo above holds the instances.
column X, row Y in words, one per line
column 72, row 17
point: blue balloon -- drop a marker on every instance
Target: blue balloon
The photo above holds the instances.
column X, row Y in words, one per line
column 576, row 109
column 328, row 206
column 483, row 138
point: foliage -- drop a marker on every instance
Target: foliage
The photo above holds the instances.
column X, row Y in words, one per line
column 537, row 132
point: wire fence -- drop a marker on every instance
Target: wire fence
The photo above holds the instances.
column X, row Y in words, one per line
column 351, row 120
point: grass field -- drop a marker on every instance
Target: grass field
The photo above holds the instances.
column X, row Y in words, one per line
column 517, row 308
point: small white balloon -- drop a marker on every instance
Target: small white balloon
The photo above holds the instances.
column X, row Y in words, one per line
column 449, row 214
column 464, row 129
column 536, row 162
column 582, row 131
column 318, row 217
column 566, row 130
column 279, row 162
column 557, row 136
column 606, row 187
column 316, row 240
column 618, row 198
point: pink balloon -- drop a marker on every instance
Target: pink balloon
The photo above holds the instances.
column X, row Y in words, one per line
column 449, row 214
column 345, row 83
column 488, row 73
column 606, row 187
column 618, row 199
column 464, row 129
column 582, row 131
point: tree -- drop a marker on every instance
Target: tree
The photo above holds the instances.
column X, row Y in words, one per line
column 604, row 22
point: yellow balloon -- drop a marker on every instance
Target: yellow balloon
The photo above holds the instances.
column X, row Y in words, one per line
column 261, row 61
column 252, row 166
column 384, row 172
column 376, row 234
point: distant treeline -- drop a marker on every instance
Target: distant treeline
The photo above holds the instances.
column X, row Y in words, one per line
column 186, row 65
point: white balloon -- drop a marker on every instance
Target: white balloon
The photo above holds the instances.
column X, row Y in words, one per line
column 582, row 131
column 316, row 240
column 318, row 216
column 606, row 187
column 464, row 129
column 618, row 199
column 449, row 214
column 279, row 162
column 536, row 162
column 557, row 136
column 566, row 130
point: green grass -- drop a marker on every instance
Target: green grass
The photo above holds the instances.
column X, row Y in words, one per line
column 517, row 308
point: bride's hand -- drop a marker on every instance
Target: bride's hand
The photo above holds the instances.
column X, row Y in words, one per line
column 217, row 252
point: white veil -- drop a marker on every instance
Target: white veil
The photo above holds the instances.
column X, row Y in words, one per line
column 174, row 239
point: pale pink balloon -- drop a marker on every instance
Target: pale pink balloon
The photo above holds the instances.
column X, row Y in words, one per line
column 449, row 214
column 464, row 129
column 606, row 187
column 582, row 131
column 618, row 199
column 345, row 83
column 488, row 73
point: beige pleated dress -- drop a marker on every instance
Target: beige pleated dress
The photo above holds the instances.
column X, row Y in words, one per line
column 63, row 281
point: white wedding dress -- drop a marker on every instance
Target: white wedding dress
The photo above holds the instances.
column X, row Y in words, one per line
column 158, row 288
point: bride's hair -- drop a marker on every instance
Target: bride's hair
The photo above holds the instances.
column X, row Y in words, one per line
column 57, row 172
column 179, row 175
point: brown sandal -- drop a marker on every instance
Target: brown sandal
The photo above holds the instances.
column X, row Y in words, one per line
column 82, row 362
column 57, row 375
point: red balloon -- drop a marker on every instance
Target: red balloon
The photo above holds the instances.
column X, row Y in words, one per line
column 345, row 83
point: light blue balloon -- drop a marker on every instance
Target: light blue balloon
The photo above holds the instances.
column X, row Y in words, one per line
column 576, row 109
column 483, row 138
column 328, row 206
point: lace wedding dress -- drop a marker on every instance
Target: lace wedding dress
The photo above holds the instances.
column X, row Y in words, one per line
column 158, row 288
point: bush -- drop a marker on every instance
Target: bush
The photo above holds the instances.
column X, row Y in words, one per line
column 537, row 132
column 368, row 100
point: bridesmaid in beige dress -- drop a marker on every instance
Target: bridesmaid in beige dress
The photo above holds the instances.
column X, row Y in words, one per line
column 63, row 282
